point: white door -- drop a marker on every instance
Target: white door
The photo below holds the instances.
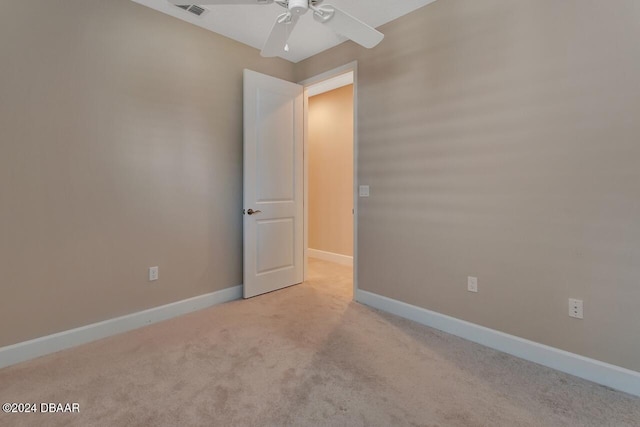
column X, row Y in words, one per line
column 273, row 184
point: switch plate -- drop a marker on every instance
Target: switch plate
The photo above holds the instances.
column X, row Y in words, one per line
column 363, row 191
column 472, row 284
column 153, row 273
column 576, row 308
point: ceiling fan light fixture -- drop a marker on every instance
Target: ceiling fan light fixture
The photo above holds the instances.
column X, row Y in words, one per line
column 334, row 18
column 323, row 14
column 299, row 7
column 285, row 18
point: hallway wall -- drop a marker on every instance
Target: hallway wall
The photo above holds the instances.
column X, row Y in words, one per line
column 330, row 147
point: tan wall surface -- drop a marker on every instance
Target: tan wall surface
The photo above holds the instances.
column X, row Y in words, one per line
column 330, row 121
column 120, row 149
column 501, row 140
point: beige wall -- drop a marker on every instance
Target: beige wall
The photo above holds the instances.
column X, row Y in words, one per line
column 330, row 127
column 501, row 139
column 120, row 149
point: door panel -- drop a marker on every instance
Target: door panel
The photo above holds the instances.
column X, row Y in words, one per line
column 273, row 236
column 275, row 244
column 276, row 147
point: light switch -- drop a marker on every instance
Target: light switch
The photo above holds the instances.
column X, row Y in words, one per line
column 363, row 191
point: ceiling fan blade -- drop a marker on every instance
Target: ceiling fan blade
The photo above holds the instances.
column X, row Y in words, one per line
column 207, row 2
column 282, row 28
column 349, row 26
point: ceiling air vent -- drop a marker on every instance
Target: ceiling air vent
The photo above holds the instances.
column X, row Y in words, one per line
column 193, row 8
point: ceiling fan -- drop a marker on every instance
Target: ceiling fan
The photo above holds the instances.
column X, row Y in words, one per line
column 334, row 18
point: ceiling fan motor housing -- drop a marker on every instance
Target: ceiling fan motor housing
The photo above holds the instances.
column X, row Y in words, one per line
column 298, row 7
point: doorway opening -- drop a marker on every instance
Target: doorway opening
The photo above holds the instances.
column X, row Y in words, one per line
column 330, row 171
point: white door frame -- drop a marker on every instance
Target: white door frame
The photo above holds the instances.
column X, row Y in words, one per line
column 350, row 67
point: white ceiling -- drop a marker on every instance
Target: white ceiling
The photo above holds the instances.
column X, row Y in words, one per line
column 251, row 24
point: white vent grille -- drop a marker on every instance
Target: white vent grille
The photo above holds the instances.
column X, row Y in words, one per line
column 193, row 8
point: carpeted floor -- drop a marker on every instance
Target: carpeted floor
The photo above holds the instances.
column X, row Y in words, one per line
column 303, row 356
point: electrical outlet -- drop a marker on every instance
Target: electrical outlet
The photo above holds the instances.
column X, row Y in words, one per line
column 575, row 308
column 363, row 191
column 472, row 284
column 153, row 273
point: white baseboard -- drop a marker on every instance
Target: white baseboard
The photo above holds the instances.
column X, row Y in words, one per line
column 593, row 370
column 31, row 349
column 331, row 257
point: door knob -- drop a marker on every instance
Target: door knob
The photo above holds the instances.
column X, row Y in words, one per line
column 251, row 212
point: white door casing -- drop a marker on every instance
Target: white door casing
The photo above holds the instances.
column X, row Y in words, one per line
column 351, row 67
column 273, row 184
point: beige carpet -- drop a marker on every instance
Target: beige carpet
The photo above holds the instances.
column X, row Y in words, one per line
column 303, row 356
